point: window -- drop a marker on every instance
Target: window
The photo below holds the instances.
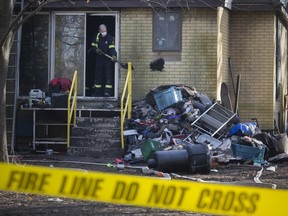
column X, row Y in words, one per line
column 69, row 44
column 34, row 54
column 167, row 31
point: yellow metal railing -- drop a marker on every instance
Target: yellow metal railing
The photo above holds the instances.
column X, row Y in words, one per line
column 71, row 112
column 126, row 110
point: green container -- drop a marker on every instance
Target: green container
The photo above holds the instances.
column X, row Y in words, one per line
column 149, row 147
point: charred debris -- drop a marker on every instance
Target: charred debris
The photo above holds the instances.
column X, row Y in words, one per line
column 178, row 129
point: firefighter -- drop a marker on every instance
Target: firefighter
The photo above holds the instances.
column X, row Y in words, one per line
column 103, row 43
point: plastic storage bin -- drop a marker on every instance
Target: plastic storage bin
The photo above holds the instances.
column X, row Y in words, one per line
column 149, row 147
column 167, row 97
column 248, row 152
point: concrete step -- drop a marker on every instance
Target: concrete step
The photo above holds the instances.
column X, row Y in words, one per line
column 99, row 113
column 96, row 136
column 95, row 141
column 98, row 122
column 95, row 132
column 96, row 152
column 97, row 103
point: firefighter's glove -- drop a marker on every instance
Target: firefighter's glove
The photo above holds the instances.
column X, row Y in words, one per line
column 114, row 59
column 98, row 51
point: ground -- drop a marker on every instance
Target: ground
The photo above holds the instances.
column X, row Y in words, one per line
column 23, row 204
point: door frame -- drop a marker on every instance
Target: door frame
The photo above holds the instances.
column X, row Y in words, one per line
column 115, row 14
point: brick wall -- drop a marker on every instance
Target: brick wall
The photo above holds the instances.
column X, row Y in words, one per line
column 253, row 56
column 198, row 64
column 209, row 37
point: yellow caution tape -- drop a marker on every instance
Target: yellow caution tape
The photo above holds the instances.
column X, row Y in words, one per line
column 144, row 191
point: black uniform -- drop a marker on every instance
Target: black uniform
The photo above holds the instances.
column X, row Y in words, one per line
column 104, row 66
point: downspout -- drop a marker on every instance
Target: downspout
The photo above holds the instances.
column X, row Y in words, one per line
column 228, row 4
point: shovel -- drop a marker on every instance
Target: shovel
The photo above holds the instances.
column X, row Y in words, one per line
column 123, row 65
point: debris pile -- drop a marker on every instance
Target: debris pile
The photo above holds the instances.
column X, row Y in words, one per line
column 171, row 126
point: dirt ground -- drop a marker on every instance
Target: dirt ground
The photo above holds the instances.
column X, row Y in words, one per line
column 26, row 204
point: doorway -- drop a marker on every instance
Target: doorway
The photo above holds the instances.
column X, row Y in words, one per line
column 92, row 28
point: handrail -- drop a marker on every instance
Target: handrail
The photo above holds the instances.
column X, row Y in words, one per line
column 74, row 87
column 127, row 90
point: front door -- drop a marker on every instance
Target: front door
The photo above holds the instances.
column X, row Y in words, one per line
column 93, row 21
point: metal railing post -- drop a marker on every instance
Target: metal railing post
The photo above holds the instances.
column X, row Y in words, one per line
column 127, row 90
column 74, row 87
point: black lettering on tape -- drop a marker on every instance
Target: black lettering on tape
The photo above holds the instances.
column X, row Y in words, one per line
column 183, row 191
column 81, row 186
column 228, row 202
column 169, row 195
column 166, row 194
column 119, row 190
column 241, row 199
column 74, row 186
column 216, row 199
column 31, row 181
column 97, row 187
column 253, row 199
column 28, row 180
column 132, row 191
column 155, row 194
column 84, row 185
column 88, row 186
column 13, row 178
column 201, row 202
column 62, row 188
column 44, row 181
column 125, row 191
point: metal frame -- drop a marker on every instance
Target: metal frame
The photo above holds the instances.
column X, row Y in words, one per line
column 210, row 120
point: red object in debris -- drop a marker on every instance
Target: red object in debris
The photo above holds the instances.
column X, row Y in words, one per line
column 64, row 83
column 54, row 82
column 119, row 161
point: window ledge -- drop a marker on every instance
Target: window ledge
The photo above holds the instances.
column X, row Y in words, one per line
column 168, row 56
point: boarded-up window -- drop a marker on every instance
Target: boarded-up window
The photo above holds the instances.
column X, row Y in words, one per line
column 167, row 31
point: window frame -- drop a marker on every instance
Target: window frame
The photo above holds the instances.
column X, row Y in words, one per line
column 155, row 15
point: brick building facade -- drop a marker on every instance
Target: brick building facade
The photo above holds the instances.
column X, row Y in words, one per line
column 253, row 35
